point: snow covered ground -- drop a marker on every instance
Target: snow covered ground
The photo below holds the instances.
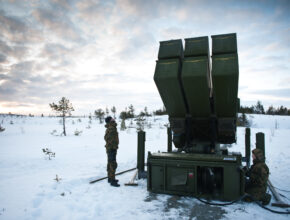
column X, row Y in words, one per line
column 28, row 189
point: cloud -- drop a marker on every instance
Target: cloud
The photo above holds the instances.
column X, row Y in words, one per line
column 15, row 105
column 101, row 52
column 95, row 12
column 18, row 52
column 57, row 22
column 56, row 56
column 17, row 29
column 285, row 92
column 137, row 45
column 3, row 58
column 63, row 4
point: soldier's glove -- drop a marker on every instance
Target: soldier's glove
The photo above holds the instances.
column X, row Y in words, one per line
column 245, row 170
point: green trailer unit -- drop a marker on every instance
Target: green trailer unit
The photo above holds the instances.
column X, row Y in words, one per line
column 205, row 175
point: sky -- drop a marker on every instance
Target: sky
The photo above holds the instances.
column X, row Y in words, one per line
column 101, row 54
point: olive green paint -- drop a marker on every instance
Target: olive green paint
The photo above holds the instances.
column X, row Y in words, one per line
column 248, row 146
column 195, row 82
column 197, row 46
column 141, row 151
column 224, row 43
column 169, row 139
column 170, row 49
column 167, row 80
column 260, row 141
column 175, row 173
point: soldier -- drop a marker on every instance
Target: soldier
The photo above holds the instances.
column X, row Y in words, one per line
column 112, row 142
column 258, row 173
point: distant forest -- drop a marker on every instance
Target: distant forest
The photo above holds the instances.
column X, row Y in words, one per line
column 129, row 111
column 259, row 109
column 254, row 109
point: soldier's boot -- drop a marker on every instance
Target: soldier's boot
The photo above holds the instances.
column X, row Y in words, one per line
column 111, row 180
column 115, row 184
column 266, row 199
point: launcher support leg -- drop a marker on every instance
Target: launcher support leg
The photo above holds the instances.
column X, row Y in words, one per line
column 248, row 146
column 141, row 155
column 169, row 140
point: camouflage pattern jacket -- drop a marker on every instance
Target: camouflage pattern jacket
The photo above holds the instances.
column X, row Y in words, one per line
column 259, row 174
column 111, row 136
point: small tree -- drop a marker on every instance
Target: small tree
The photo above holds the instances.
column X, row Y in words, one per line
column 160, row 111
column 107, row 111
column 123, row 125
column 145, row 112
column 99, row 113
column 243, row 121
column 140, row 123
column 282, row 110
column 259, row 108
column 1, row 128
column 113, row 110
column 131, row 111
column 271, row 110
column 48, row 152
column 63, row 108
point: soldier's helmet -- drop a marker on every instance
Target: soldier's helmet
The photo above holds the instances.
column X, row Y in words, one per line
column 259, row 154
column 108, row 119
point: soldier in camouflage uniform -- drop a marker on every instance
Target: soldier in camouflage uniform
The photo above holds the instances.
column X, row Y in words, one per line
column 258, row 173
column 112, row 142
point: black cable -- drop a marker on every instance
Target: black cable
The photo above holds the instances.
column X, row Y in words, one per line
column 242, row 197
column 281, row 189
column 272, row 210
column 284, row 196
column 220, row 204
column 264, row 207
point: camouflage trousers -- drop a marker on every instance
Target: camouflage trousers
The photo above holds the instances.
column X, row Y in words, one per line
column 258, row 194
column 112, row 163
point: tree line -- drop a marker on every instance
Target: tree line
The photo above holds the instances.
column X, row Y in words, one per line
column 128, row 113
column 64, row 109
column 259, row 109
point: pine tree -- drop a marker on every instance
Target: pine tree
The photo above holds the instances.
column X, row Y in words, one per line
column 123, row 125
column 271, row 110
column 243, row 120
column 107, row 112
column 99, row 113
column 140, row 122
column 63, row 108
column 113, row 110
column 131, row 111
column 145, row 112
column 259, row 108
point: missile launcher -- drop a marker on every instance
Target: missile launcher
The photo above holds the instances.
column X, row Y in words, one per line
column 200, row 94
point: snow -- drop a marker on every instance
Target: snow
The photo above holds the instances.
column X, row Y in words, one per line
column 28, row 189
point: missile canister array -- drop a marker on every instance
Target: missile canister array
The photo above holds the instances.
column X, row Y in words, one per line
column 201, row 101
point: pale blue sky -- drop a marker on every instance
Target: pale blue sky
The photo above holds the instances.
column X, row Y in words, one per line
column 103, row 53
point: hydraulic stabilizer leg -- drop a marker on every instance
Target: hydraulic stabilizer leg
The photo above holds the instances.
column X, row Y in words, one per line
column 141, row 155
column 188, row 133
